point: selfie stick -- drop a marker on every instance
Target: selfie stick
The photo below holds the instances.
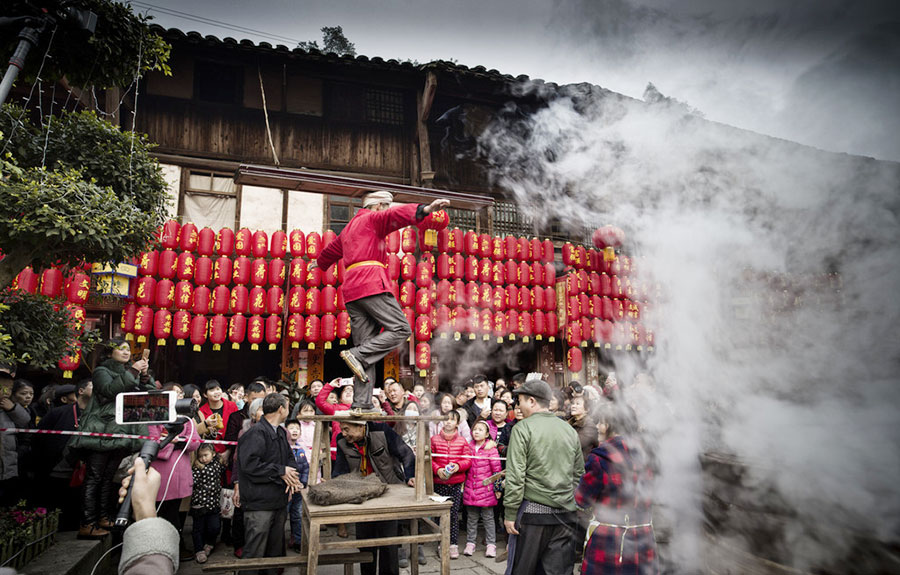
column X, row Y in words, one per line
column 148, row 453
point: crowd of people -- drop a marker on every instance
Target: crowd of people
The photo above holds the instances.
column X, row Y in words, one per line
column 552, row 473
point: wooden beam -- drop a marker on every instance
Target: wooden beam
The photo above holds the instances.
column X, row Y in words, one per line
column 423, row 105
column 428, row 96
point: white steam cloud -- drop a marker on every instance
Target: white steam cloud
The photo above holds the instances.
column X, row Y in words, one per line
column 777, row 324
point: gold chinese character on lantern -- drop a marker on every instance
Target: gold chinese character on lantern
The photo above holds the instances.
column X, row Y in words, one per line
column 258, row 300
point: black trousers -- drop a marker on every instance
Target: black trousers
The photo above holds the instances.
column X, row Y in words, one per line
column 265, row 535
column 544, row 549
column 100, row 493
column 386, row 560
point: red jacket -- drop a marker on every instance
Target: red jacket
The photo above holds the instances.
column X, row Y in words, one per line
column 362, row 240
column 230, row 407
column 455, row 446
column 329, row 409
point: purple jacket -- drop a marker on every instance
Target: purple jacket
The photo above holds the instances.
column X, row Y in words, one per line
column 182, row 483
column 474, row 492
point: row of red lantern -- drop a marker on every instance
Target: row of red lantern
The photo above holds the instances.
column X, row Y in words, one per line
column 240, row 271
column 584, row 306
column 52, row 283
column 606, row 285
column 314, row 329
column 459, row 320
column 607, row 333
column 455, row 267
column 242, row 242
column 472, row 294
column 582, row 258
column 455, row 241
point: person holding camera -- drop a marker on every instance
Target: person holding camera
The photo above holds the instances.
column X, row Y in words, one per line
column 114, row 375
column 150, row 544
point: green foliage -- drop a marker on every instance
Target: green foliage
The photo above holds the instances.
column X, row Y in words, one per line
column 36, row 330
column 107, row 58
column 93, row 201
column 333, row 40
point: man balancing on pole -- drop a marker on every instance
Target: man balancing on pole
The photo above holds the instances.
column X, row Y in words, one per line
column 366, row 287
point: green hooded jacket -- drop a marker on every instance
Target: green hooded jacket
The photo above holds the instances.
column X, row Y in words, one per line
column 110, row 378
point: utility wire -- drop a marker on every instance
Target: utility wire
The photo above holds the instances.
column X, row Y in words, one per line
column 216, row 23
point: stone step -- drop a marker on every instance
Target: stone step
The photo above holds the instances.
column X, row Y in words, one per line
column 72, row 556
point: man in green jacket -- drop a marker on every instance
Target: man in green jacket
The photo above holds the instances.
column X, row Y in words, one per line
column 544, row 464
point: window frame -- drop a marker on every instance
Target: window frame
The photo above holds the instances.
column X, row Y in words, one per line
column 185, row 189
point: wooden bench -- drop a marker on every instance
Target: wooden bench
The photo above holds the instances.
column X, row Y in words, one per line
column 346, row 558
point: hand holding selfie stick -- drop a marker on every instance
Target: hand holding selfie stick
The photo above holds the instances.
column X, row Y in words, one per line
column 185, row 409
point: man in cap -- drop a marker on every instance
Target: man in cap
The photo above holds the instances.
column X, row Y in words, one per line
column 366, row 286
column 543, row 466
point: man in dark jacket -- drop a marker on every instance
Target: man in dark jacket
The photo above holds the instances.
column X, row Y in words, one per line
column 376, row 448
column 268, row 478
column 480, row 405
column 233, row 530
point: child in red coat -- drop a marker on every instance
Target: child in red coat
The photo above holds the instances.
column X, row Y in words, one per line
column 450, row 471
column 480, row 499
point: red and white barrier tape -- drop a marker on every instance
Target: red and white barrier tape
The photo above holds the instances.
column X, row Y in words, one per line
column 97, row 434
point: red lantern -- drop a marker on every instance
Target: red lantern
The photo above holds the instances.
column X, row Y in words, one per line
column 392, row 242
column 408, row 240
column 148, row 263
column 472, row 295
column 442, row 293
column 549, row 300
column 485, row 295
column 257, row 300
column 329, row 329
column 243, row 242
column 573, row 332
column 26, row 280
column 240, row 299
column 313, row 301
column 241, row 273
column 523, row 251
column 188, row 237
column 537, row 298
column 297, row 300
column 574, row 359
column 510, row 245
column 424, row 273
column 538, row 324
column 596, row 306
column 273, row 331
column 218, row 331
column 632, row 310
column 580, row 257
column 547, row 251
column 312, row 333
column 220, row 301
column 618, row 310
column 258, row 272
column 454, row 241
column 168, row 236
column 587, row 330
column 568, row 254
column 525, row 326
column 275, row 300
column 393, row 267
column 222, row 270
column 276, row 272
column 485, row 246
column 552, row 326
column 203, row 270
column 484, row 270
column 52, row 282
column 69, row 362
column 549, row 275
column 185, row 266
column 536, row 274
column 343, row 327
column 408, row 267
column 470, row 243
column 523, row 300
column 145, row 294
column 313, row 245
column 471, row 269
column 201, row 300
column 407, row 294
column 225, row 242
column 79, row 287
column 456, row 267
column 512, row 272
column 423, row 301
column 165, row 294
column 76, row 316
column 162, row 326
column 127, row 323
column 423, row 328
column 457, row 293
column 423, row 358
column 296, row 326
column 181, row 326
column 500, row 328
column 498, row 273
column 328, row 237
column 498, row 299
column 237, row 330
column 298, row 243
column 535, row 250
column 143, row 323
column 443, row 266
column 260, row 244
column 512, row 322
column 206, row 242
column 498, row 248
column 523, row 276
column 298, row 271
column 279, row 244
column 255, row 330
column 329, row 299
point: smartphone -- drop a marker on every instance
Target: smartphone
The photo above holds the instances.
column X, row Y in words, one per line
column 145, row 355
column 345, row 381
column 146, row 407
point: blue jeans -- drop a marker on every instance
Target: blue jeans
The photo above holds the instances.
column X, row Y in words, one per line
column 295, row 510
column 206, row 529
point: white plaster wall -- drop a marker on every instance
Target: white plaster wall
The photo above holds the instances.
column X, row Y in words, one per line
column 306, row 212
column 261, row 208
column 172, row 176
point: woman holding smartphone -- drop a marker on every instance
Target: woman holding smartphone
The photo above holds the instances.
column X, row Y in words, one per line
column 114, row 374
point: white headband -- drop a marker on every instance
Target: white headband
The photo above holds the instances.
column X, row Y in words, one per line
column 380, row 197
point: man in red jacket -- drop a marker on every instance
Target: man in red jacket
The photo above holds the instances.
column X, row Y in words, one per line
column 366, row 286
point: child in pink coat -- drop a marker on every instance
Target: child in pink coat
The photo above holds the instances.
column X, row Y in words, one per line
column 479, row 499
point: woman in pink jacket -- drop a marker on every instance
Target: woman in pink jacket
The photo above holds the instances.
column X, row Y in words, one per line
column 479, row 499
column 178, row 484
column 449, row 463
